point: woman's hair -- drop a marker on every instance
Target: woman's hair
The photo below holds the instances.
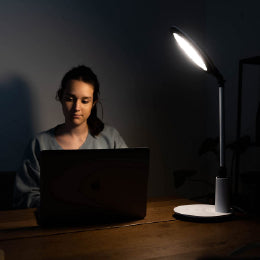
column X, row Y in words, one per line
column 85, row 74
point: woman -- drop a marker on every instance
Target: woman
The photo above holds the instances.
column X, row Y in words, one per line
column 82, row 129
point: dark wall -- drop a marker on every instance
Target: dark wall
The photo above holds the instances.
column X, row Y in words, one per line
column 150, row 93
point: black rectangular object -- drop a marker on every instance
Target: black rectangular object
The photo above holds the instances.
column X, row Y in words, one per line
column 86, row 186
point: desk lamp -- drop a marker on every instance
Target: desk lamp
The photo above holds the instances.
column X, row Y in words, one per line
column 222, row 200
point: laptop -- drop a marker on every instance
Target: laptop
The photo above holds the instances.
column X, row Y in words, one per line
column 93, row 186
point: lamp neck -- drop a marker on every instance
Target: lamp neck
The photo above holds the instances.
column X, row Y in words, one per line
column 219, row 77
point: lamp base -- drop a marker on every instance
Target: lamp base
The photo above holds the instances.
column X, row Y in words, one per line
column 199, row 211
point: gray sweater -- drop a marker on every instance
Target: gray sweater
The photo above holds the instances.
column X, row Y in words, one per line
column 27, row 185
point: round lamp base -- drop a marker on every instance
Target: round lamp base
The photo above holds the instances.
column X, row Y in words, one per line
column 199, row 211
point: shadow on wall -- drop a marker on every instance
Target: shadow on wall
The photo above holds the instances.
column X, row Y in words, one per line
column 16, row 121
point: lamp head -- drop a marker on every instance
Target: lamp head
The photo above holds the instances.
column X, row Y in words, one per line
column 199, row 57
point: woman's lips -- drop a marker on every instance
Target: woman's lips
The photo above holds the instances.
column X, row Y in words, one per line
column 76, row 116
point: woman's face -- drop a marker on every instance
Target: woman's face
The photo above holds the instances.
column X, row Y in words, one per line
column 77, row 102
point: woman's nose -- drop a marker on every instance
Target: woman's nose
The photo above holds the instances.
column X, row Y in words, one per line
column 77, row 104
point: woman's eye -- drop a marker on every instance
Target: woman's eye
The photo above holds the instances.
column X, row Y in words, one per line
column 85, row 101
column 68, row 99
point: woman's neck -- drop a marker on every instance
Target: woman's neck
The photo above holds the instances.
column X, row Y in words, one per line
column 71, row 137
column 76, row 131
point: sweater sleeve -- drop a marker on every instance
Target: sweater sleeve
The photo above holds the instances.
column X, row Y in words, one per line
column 27, row 184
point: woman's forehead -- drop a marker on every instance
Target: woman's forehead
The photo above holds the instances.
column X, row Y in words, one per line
column 77, row 87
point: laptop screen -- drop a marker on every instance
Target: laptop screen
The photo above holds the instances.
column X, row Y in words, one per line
column 100, row 185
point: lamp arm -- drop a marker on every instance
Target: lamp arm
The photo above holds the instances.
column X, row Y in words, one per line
column 222, row 168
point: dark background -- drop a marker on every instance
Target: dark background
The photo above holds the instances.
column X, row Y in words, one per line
column 150, row 92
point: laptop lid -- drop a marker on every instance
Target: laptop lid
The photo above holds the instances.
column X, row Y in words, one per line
column 84, row 186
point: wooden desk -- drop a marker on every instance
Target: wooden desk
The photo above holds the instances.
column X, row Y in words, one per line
column 158, row 236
